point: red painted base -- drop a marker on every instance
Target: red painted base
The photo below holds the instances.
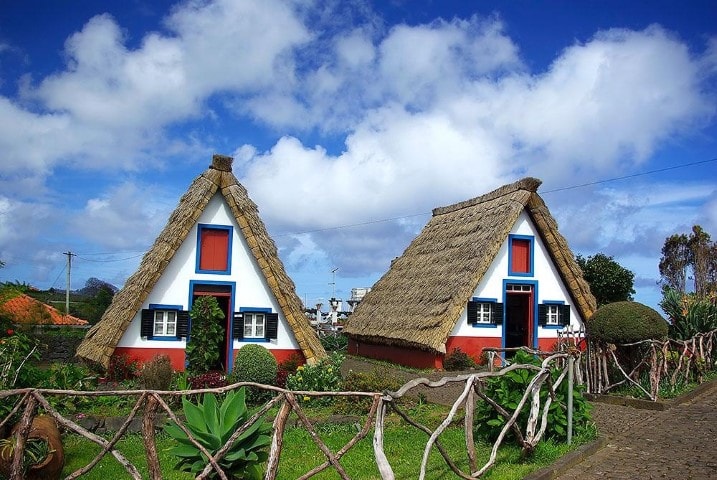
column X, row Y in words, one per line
column 177, row 358
column 473, row 346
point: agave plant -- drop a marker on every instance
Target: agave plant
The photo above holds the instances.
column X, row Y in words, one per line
column 212, row 423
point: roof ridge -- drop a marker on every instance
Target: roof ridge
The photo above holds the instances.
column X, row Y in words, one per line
column 530, row 184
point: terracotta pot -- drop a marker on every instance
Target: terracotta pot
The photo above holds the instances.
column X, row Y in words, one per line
column 43, row 427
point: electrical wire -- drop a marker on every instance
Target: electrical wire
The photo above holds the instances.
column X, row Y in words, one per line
column 403, row 217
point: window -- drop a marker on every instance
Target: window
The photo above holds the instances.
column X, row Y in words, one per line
column 554, row 314
column 214, row 249
column 165, row 323
column 254, row 325
column 483, row 312
column 520, row 255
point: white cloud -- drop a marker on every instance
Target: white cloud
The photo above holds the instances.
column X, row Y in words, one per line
column 128, row 217
column 425, row 115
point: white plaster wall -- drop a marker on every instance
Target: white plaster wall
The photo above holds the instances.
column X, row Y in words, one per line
column 550, row 285
column 251, row 289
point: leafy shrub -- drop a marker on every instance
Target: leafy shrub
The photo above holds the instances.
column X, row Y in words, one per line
column 373, row 381
column 254, row 363
column 324, row 376
column 212, row 424
column 122, row 368
column 288, row 367
column 625, row 322
column 157, row 373
column 457, row 359
column 17, row 351
column 508, row 389
column 207, row 380
column 689, row 314
column 203, row 352
column 335, row 342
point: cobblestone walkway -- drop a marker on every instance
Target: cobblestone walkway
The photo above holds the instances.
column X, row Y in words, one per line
column 679, row 443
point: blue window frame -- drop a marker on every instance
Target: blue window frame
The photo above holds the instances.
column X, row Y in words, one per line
column 521, row 255
column 484, row 312
column 214, row 246
column 164, row 322
column 553, row 314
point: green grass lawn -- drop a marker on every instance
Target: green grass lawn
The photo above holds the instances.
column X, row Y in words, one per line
column 403, row 445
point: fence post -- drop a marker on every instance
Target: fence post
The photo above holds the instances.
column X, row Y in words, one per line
column 571, row 368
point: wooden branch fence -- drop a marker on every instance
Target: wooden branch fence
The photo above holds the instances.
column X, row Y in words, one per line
column 286, row 402
column 674, row 360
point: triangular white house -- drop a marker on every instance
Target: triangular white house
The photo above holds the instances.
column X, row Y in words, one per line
column 492, row 271
column 214, row 244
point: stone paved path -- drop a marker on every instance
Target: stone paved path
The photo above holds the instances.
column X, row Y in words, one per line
column 679, row 443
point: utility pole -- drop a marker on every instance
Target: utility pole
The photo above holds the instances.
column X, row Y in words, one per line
column 333, row 282
column 67, row 290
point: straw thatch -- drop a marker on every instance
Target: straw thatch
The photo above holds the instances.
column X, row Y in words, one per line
column 101, row 340
column 418, row 301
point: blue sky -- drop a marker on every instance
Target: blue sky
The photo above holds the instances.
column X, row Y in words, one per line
column 349, row 121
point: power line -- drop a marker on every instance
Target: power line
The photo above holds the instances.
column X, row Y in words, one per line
column 641, row 174
column 108, row 260
column 403, row 217
column 572, row 187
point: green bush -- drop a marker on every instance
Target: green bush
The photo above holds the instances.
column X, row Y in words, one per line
column 324, row 376
column 625, row 322
column 157, row 373
column 212, row 423
column 335, row 342
column 457, row 359
column 373, row 381
column 254, row 363
column 508, row 389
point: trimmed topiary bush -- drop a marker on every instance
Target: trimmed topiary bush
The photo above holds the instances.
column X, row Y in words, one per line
column 254, row 363
column 626, row 322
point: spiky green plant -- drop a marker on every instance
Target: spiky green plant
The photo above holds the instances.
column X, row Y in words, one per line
column 212, row 424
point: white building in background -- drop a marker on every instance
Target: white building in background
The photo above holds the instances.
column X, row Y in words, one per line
column 357, row 295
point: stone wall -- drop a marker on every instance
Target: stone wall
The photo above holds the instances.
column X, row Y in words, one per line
column 56, row 347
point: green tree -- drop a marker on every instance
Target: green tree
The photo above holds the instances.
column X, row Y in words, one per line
column 692, row 257
column 93, row 308
column 609, row 281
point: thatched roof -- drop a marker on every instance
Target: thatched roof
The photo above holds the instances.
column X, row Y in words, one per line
column 101, row 340
column 418, row 301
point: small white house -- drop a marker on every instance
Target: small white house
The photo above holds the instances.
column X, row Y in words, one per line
column 492, row 271
column 213, row 244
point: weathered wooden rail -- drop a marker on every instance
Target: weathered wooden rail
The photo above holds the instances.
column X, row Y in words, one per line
column 673, row 359
column 528, row 435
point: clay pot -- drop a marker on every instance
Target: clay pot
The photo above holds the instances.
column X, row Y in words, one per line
column 43, row 427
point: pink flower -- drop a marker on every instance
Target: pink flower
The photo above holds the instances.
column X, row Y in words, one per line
column 10, row 331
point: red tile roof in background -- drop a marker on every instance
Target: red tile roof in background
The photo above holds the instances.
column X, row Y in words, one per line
column 23, row 309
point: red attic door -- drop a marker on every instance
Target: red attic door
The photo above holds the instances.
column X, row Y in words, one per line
column 520, row 256
column 214, row 249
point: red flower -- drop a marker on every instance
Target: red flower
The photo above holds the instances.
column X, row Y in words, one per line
column 10, row 331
